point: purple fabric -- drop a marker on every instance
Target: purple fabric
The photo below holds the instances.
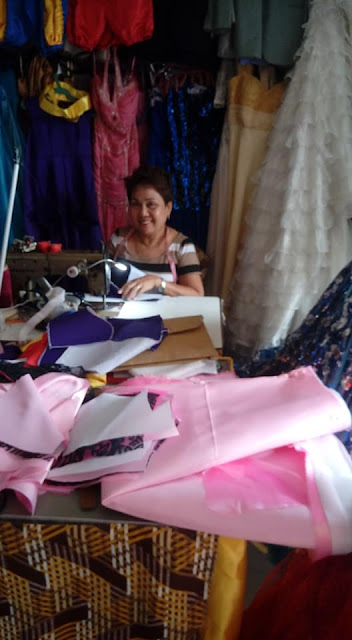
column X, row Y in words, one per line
column 138, row 328
column 80, row 327
column 10, row 351
column 59, row 196
column 50, row 356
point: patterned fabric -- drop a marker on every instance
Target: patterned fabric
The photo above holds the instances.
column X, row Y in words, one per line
column 324, row 340
column 104, row 582
column 184, row 139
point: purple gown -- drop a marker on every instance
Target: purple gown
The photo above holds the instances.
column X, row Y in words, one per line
column 60, row 199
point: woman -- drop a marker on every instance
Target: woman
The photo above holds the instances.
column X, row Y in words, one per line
column 168, row 258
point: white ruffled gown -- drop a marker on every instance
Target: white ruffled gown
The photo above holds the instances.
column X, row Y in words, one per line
column 300, row 232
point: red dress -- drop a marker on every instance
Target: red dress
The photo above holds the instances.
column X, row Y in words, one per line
column 302, row 600
column 100, row 24
column 116, row 149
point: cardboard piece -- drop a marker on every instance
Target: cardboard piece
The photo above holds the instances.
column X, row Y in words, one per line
column 187, row 340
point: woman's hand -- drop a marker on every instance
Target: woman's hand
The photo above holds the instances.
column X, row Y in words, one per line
column 133, row 289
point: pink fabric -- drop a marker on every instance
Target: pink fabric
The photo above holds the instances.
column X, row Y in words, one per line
column 23, row 475
column 116, row 149
column 37, row 416
column 225, row 419
column 183, row 503
column 262, row 481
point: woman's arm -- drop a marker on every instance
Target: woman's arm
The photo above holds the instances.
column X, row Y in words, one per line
column 189, row 285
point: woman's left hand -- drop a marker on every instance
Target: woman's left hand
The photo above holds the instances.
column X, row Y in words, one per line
column 133, row 289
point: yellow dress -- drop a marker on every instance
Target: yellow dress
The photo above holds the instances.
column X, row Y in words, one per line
column 249, row 118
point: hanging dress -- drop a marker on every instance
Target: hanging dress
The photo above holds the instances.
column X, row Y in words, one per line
column 40, row 21
column 299, row 234
column 249, row 119
column 116, row 148
column 184, row 138
column 60, row 199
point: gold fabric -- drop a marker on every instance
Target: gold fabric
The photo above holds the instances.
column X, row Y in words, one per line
column 249, row 119
column 3, row 19
column 126, row 581
column 53, row 22
column 226, row 600
column 59, row 92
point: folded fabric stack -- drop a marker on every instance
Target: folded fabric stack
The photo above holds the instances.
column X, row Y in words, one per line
column 251, row 458
column 114, row 434
column 255, row 459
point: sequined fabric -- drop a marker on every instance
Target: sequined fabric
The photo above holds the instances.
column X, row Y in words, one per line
column 324, row 340
column 184, row 139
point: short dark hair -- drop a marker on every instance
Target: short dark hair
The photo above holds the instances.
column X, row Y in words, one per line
column 154, row 177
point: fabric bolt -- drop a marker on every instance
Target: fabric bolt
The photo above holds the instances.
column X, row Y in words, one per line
column 299, row 235
column 249, row 118
column 323, row 341
column 116, row 149
column 60, row 199
column 100, row 24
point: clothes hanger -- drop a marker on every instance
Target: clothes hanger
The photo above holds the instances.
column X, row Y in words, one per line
column 63, row 88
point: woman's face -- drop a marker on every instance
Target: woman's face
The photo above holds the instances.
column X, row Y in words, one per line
column 148, row 211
